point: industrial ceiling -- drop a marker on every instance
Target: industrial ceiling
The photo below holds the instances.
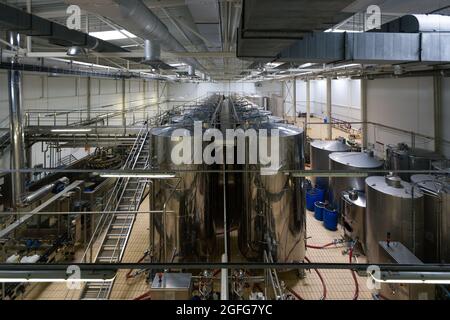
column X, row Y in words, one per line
column 223, row 38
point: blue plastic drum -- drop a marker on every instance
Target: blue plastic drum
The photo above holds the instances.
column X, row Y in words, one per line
column 319, row 206
column 330, row 219
column 312, row 196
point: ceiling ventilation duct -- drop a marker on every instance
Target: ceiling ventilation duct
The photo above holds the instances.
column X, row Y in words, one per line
column 137, row 18
column 152, row 52
column 13, row 19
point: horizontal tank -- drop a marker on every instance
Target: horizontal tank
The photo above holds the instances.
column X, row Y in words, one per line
column 274, row 209
column 395, row 210
column 436, row 192
column 403, row 158
column 350, row 161
column 319, row 156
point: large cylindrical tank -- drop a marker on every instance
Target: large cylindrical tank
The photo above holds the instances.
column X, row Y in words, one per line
column 186, row 231
column 395, row 209
column 274, row 210
column 436, row 192
column 350, row 161
column 354, row 215
column 319, row 156
column 402, row 157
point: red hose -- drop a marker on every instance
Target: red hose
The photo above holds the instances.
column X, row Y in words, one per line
column 145, row 296
column 324, row 287
column 320, row 247
column 355, row 279
column 128, row 275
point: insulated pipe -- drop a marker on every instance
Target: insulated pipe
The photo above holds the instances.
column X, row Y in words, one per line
column 44, row 191
column 191, row 71
column 16, row 125
column 152, row 50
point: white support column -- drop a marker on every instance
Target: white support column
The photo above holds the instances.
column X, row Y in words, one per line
column 308, row 105
column 294, row 98
column 365, row 125
column 124, row 103
column 88, row 98
column 329, row 111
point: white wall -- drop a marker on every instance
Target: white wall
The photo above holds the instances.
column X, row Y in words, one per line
column 69, row 93
column 404, row 103
column 184, row 92
column 345, row 99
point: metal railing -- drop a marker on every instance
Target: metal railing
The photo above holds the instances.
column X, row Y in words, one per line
column 117, row 192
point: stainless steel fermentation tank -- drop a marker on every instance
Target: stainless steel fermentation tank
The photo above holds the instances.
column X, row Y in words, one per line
column 267, row 211
column 185, row 230
column 436, row 190
column 273, row 214
column 402, row 157
column 354, row 215
column 320, row 151
column 395, row 210
column 350, row 161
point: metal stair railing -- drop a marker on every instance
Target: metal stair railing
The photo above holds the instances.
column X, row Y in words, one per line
column 102, row 290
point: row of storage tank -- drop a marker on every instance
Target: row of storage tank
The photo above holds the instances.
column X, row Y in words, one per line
column 413, row 209
column 265, row 212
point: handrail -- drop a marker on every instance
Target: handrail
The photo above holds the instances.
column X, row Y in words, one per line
column 112, row 201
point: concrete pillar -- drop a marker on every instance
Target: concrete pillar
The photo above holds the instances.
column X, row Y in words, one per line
column 365, row 125
column 16, row 125
column 438, row 129
column 329, row 111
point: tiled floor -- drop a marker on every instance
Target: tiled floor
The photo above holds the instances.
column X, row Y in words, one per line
column 339, row 283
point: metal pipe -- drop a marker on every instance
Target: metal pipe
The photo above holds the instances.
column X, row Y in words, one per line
column 152, row 50
column 16, row 126
column 44, row 191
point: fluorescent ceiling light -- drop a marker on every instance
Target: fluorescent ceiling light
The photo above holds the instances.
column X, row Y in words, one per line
column 71, row 130
column 177, row 65
column 274, row 64
column 112, row 35
column 138, row 175
column 342, row 31
column 413, row 277
column 50, row 280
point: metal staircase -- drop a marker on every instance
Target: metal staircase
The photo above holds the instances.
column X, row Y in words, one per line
column 114, row 228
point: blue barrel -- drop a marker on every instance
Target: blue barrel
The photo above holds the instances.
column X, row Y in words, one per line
column 322, row 192
column 322, row 183
column 319, row 206
column 312, row 196
column 330, row 219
